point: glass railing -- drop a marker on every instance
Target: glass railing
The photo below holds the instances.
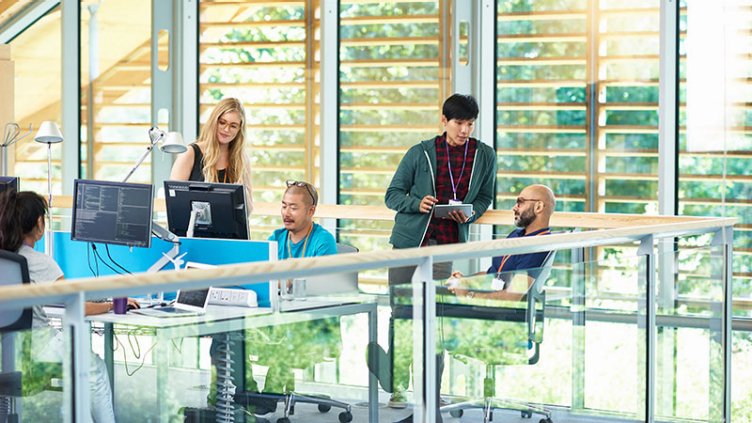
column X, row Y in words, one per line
column 616, row 327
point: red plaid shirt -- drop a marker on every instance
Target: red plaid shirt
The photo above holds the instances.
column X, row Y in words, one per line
column 445, row 231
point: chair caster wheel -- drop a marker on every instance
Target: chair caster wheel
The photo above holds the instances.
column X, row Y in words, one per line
column 526, row 414
column 345, row 417
column 283, row 420
column 323, row 408
column 457, row 413
column 546, row 420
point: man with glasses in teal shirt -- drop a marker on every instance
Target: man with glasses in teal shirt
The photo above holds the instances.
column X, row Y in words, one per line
column 300, row 236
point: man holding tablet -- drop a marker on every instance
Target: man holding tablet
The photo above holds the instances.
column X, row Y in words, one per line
column 441, row 186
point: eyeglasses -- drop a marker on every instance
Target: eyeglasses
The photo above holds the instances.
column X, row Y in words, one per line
column 233, row 126
column 521, row 200
column 302, row 184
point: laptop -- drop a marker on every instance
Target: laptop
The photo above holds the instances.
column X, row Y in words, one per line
column 187, row 303
column 318, row 287
column 333, row 283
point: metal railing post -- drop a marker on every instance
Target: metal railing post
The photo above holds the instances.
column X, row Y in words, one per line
column 646, row 320
column 77, row 407
column 424, row 342
column 722, row 247
column 578, row 308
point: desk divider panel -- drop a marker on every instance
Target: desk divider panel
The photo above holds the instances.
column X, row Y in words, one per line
column 72, row 256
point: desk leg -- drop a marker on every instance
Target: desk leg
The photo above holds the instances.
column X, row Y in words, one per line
column 109, row 357
column 373, row 383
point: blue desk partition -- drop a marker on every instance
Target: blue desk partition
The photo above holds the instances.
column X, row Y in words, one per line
column 72, row 256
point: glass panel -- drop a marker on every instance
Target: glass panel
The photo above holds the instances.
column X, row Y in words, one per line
column 32, row 368
column 689, row 355
column 116, row 89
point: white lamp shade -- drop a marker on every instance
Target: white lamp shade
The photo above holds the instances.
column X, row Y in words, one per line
column 173, row 143
column 49, row 133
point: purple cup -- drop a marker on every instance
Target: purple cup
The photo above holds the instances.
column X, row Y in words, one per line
column 120, row 305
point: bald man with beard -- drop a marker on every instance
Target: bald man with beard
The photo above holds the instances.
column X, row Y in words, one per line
column 532, row 214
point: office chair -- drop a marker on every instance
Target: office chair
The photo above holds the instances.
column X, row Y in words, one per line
column 300, row 346
column 15, row 270
column 521, row 345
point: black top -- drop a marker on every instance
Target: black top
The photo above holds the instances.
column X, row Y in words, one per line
column 197, row 173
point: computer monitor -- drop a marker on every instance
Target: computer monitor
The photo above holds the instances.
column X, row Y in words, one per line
column 112, row 212
column 220, row 209
column 7, row 182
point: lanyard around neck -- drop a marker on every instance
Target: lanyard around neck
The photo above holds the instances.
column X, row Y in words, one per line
column 449, row 164
column 505, row 258
column 305, row 243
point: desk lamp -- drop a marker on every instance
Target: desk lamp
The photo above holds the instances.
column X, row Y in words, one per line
column 171, row 142
column 12, row 136
column 49, row 134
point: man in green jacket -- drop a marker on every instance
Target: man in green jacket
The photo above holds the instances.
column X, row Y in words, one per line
column 451, row 168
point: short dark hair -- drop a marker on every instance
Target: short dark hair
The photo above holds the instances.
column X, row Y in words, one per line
column 460, row 106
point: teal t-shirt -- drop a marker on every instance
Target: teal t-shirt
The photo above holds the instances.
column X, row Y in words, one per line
column 320, row 243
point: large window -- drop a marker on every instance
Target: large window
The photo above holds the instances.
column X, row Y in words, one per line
column 577, row 91
column 392, row 83
column 264, row 54
column 115, row 89
column 36, row 53
column 715, row 149
column 577, row 109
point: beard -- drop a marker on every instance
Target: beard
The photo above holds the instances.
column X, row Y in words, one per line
column 524, row 219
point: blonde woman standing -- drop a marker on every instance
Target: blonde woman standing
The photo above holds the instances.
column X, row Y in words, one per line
column 218, row 155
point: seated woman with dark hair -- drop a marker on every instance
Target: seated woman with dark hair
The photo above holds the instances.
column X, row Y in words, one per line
column 21, row 226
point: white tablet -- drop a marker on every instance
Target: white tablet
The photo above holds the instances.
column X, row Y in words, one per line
column 442, row 210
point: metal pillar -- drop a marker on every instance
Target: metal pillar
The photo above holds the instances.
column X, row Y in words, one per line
column 424, row 343
column 646, row 320
column 76, row 404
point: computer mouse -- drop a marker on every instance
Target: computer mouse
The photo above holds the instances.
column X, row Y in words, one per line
column 131, row 307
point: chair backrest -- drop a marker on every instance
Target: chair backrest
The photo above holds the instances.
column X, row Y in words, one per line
column 532, row 317
column 545, row 272
column 14, row 270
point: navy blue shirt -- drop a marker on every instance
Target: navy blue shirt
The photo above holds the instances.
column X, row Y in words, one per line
column 521, row 261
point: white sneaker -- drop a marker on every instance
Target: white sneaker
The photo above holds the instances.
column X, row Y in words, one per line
column 397, row 400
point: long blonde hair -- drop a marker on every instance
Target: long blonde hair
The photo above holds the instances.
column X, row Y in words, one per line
column 239, row 165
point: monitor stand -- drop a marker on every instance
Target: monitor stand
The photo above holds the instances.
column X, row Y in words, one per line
column 169, row 257
column 191, row 224
column 172, row 256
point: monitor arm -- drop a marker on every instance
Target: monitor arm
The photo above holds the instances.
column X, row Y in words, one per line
column 162, row 233
column 191, row 224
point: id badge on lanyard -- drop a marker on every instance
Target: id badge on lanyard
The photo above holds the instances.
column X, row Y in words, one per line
column 497, row 284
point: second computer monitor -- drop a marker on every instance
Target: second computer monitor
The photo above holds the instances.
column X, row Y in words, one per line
column 220, row 209
column 112, row 212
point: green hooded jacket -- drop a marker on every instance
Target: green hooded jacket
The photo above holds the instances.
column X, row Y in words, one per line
column 415, row 178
